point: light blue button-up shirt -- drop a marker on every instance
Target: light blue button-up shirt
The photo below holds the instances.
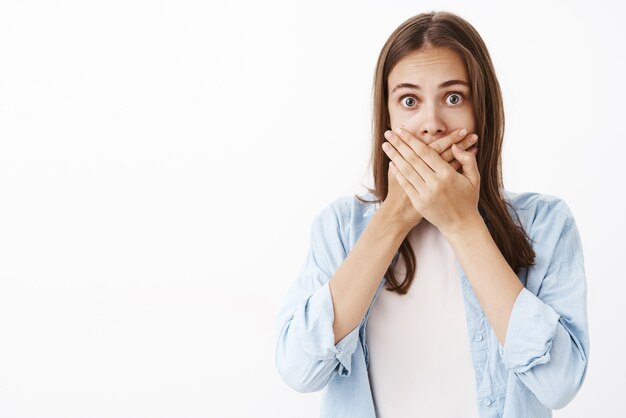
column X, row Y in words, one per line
column 541, row 366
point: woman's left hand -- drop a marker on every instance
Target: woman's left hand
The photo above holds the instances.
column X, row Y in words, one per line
column 446, row 198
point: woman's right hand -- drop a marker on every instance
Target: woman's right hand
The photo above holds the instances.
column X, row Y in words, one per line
column 400, row 207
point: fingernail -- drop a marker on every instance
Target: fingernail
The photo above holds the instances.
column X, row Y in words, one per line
column 473, row 138
column 463, row 132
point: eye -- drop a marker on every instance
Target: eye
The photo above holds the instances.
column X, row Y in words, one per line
column 456, row 98
column 411, row 102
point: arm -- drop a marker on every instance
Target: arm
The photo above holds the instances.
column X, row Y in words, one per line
column 493, row 281
column 543, row 337
column 319, row 322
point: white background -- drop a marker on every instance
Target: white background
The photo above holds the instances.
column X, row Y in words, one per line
column 161, row 163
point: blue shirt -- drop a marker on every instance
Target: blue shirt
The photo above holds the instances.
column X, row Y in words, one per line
column 540, row 368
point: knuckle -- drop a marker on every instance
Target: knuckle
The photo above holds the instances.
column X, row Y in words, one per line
column 411, row 143
column 435, row 147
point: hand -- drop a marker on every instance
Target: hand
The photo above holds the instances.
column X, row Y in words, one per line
column 403, row 210
column 443, row 146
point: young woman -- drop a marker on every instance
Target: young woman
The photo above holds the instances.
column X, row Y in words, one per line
column 484, row 309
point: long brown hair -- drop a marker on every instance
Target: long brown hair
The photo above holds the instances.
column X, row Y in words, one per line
column 445, row 29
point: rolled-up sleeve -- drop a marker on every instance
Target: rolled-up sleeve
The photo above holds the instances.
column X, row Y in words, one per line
column 306, row 353
column 547, row 340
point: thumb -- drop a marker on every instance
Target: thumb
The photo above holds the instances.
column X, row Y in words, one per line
column 468, row 161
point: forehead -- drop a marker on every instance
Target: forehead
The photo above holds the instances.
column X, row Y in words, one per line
column 428, row 67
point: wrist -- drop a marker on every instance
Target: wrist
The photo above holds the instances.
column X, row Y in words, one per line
column 393, row 221
column 471, row 224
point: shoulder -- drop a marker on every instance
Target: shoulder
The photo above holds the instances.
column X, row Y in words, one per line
column 533, row 202
column 347, row 209
column 539, row 212
column 342, row 217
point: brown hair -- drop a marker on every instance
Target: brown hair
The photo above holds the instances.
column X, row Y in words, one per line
column 445, row 29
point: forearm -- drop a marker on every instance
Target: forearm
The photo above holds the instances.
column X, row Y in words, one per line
column 493, row 281
column 355, row 282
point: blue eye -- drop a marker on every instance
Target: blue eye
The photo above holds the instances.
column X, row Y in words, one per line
column 458, row 98
column 454, row 98
column 409, row 97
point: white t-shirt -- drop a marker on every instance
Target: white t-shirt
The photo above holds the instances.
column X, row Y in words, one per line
column 420, row 362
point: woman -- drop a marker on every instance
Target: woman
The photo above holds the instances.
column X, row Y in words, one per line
column 484, row 312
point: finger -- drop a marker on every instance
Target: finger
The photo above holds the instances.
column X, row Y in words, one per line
column 445, row 142
column 404, row 167
column 392, row 168
column 456, row 164
column 465, row 144
column 470, row 165
column 406, row 185
column 411, row 157
column 429, row 156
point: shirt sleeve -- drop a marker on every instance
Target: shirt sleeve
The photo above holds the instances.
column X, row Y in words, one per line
column 306, row 354
column 547, row 340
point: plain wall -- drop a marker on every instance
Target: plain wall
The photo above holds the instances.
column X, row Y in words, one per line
column 161, row 163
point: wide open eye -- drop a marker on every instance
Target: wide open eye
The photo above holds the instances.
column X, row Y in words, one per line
column 410, row 101
column 455, row 98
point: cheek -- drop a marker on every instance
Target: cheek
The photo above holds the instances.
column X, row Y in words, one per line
column 395, row 117
column 466, row 119
column 392, row 111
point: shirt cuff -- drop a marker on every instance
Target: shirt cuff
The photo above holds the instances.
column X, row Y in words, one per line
column 318, row 338
column 532, row 327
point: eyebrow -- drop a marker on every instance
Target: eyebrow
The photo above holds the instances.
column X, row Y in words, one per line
column 442, row 85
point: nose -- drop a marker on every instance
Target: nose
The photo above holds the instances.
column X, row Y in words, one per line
column 427, row 124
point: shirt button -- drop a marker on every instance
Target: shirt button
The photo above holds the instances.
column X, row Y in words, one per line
column 479, row 337
column 487, row 402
